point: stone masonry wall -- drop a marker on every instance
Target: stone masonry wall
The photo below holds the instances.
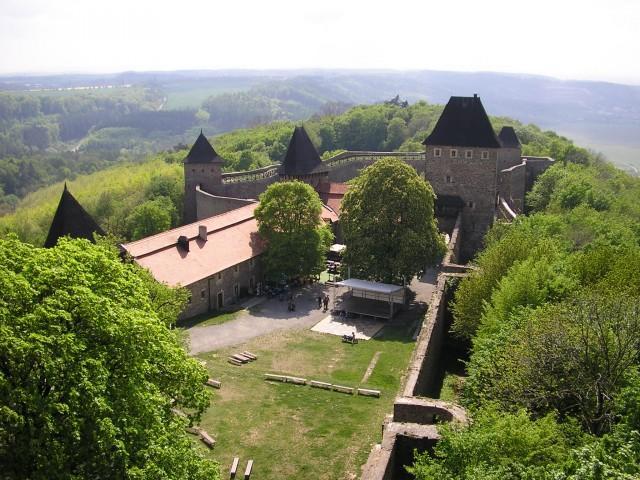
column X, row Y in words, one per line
column 208, row 176
column 204, row 293
column 209, row 205
column 474, row 181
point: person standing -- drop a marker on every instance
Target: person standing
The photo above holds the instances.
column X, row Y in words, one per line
column 325, row 300
column 319, row 298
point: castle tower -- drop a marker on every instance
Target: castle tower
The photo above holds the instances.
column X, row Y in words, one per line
column 511, row 150
column 461, row 165
column 71, row 220
column 302, row 161
column 202, row 168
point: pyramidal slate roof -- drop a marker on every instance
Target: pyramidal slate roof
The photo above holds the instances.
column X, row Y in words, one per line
column 463, row 123
column 202, row 152
column 302, row 157
column 71, row 220
column 508, row 138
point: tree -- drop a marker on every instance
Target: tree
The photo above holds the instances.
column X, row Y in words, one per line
column 91, row 377
column 151, row 217
column 289, row 220
column 388, row 223
column 497, row 445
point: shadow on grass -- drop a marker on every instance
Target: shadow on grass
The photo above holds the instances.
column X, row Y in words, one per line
column 211, row 318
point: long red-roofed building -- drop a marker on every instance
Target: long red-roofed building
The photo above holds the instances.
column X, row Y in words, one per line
column 216, row 258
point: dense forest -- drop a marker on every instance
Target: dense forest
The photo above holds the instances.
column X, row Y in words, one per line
column 121, row 197
column 553, row 318
column 51, row 128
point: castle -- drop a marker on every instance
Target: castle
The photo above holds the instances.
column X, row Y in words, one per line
column 477, row 176
column 474, row 172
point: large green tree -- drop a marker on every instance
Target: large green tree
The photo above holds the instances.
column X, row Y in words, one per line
column 388, row 223
column 289, row 219
column 91, row 377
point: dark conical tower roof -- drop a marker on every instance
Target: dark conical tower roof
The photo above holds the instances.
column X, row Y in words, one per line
column 508, row 138
column 463, row 123
column 302, row 157
column 71, row 220
column 202, row 152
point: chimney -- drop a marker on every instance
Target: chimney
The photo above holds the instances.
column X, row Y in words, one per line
column 183, row 243
column 475, row 95
column 202, row 232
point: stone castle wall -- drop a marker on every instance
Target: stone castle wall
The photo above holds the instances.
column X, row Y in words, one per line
column 473, row 180
column 204, row 293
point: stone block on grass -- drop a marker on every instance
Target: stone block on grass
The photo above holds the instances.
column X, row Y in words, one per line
column 343, row 389
column 369, row 393
column 316, row 384
column 297, row 380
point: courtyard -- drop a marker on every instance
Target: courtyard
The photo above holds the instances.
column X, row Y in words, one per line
column 294, row 430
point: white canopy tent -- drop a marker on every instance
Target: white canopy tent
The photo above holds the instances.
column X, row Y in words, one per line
column 371, row 298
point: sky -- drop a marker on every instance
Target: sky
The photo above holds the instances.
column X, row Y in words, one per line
column 591, row 40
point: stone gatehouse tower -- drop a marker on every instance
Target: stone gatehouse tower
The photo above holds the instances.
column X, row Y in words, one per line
column 462, row 155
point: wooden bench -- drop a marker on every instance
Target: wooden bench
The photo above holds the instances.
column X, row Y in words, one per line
column 207, row 439
column 193, row 430
column 214, row 383
column 250, row 355
column 243, row 357
column 240, row 358
column 234, row 468
column 247, row 471
column 233, row 361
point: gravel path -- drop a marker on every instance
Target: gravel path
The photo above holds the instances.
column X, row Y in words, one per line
column 272, row 315
column 266, row 317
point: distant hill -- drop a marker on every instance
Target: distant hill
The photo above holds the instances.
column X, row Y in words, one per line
column 601, row 115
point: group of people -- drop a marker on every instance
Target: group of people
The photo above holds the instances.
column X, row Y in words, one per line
column 323, row 301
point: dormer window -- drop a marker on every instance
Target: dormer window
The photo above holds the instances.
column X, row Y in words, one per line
column 485, row 155
column 468, row 154
column 453, row 153
column 437, row 152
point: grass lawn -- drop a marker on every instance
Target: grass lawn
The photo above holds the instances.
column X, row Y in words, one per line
column 210, row 319
column 298, row 431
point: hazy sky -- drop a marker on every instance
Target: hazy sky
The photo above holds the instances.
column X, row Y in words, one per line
column 584, row 39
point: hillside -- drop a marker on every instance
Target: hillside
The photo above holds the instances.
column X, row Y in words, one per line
column 120, row 196
column 604, row 116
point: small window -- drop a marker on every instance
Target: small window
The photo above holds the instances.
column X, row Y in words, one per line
column 189, row 299
column 437, row 152
column 219, row 275
column 485, row 155
column 236, row 268
column 453, row 153
column 236, row 290
column 448, row 179
column 202, row 293
column 468, row 154
column 471, row 204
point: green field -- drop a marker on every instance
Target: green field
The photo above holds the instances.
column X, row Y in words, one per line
column 295, row 431
column 191, row 94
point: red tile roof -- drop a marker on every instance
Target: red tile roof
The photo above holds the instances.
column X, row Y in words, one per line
column 232, row 238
